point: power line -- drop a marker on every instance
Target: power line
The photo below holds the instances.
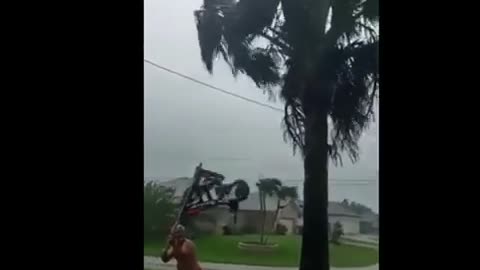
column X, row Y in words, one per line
column 336, row 180
column 212, row 87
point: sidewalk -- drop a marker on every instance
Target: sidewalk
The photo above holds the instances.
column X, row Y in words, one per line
column 155, row 263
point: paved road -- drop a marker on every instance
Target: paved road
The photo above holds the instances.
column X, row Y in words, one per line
column 154, row 263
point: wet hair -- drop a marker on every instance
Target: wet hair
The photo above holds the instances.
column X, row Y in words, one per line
column 179, row 229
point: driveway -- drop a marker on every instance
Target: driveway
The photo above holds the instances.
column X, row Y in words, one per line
column 155, row 263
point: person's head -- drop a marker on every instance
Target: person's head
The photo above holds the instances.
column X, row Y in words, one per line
column 178, row 232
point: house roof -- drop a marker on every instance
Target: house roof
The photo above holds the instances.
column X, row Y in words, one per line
column 253, row 203
column 334, row 209
column 337, row 209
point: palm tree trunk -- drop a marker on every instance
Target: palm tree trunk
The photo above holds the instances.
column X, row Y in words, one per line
column 275, row 220
column 260, row 196
column 315, row 251
column 264, row 197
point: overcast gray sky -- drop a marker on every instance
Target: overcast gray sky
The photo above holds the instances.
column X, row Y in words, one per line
column 186, row 123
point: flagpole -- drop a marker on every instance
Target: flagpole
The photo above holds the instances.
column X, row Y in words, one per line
column 186, row 196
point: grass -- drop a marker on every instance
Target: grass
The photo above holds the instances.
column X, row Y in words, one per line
column 223, row 249
column 375, row 245
column 352, row 256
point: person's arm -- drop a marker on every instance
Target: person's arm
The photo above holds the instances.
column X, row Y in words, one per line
column 167, row 253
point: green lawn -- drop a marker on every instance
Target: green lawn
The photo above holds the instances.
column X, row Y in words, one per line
column 223, row 249
column 360, row 242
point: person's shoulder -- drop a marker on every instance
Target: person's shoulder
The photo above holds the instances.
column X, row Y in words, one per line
column 189, row 242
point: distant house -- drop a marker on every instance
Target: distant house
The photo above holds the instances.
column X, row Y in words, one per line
column 291, row 217
column 336, row 213
column 369, row 224
column 249, row 216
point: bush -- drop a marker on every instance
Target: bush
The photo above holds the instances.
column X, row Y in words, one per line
column 337, row 233
column 227, row 230
column 281, row 229
column 159, row 211
column 249, row 229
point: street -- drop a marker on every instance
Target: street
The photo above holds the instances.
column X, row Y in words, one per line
column 155, row 263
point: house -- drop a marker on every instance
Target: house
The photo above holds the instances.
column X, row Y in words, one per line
column 369, row 223
column 336, row 213
column 339, row 213
column 290, row 216
column 249, row 217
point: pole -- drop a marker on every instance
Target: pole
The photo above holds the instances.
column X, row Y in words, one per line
column 188, row 193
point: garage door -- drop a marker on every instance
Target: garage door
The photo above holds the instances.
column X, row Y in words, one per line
column 289, row 224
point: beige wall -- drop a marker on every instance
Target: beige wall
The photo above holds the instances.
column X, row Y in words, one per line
column 289, row 223
column 350, row 225
column 254, row 219
column 289, row 212
column 212, row 220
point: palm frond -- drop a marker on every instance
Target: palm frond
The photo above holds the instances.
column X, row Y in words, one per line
column 350, row 22
column 210, row 29
column 294, row 124
column 260, row 64
column 343, row 22
column 269, row 186
column 252, row 16
column 222, row 48
column 343, row 80
column 370, row 10
column 355, row 89
column 287, row 193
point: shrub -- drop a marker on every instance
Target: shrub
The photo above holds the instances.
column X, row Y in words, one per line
column 249, row 229
column 337, row 232
column 159, row 210
column 227, row 230
column 281, row 229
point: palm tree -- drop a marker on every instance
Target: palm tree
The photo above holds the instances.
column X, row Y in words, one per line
column 266, row 187
column 323, row 56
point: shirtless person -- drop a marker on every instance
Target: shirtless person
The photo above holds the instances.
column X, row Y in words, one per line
column 182, row 249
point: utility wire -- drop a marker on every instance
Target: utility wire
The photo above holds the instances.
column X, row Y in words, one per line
column 336, row 180
column 212, row 87
column 360, row 182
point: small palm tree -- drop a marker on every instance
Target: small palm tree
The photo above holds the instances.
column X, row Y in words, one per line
column 266, row 187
